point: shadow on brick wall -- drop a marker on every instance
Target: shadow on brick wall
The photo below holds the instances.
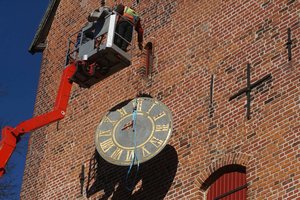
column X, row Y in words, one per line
column 153, row 180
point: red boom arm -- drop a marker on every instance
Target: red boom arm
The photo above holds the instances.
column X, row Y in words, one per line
column 10, row 135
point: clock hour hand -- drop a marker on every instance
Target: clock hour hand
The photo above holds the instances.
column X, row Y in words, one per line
column 128, row 125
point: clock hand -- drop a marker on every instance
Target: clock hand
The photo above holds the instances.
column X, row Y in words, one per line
column 132, row 122
column 128, row 125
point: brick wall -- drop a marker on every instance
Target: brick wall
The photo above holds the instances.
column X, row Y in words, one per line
column 193, row 42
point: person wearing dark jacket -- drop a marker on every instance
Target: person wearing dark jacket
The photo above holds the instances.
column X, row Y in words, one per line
column 129, row 19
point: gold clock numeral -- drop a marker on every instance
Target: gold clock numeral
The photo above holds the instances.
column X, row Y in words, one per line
column 160, row 115
column 156, row 142
column 106, row 119
column 117, row 154
column 104, row 133
column 122, row 112
column 145, row 151
column 106, row 145
column 129, row 155
column 149, row 110
column 139, row 105
column 164, row 127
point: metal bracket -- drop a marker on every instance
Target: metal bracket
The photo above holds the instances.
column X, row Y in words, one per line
column 289, row 44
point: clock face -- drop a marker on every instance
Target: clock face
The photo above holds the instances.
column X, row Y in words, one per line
column 123, row 132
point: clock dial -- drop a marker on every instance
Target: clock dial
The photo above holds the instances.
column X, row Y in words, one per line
column 119, row 134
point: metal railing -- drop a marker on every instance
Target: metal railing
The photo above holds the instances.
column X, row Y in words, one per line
column 71, row 54
column 74, row 45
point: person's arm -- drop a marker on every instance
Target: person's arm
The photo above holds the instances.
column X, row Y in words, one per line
column 139, row 29
column 119, row 9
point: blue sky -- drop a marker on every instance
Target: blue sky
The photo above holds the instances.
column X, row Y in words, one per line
column 19, row 21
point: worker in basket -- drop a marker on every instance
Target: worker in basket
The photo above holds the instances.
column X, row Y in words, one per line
column 129, row 19
column 98, row 17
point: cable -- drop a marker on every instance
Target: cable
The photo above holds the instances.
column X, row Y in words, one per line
column 135, row 157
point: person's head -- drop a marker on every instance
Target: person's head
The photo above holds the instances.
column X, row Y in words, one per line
column 102, row 2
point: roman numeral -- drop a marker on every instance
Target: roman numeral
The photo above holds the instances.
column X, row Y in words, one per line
column 160, row 115
column 149, row 110
column 106, row 145
column 122, row 112
column 129, row 155
column 145, row 152
column 104, row 133
column 139, row 105
column 156, row 142
column 164, row 127
column 117, row 154
column 106, row 119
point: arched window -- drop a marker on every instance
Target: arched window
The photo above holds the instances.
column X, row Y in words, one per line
column 227, row 183
column 149, row 59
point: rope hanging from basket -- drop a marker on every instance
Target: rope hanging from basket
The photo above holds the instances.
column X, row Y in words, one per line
column 135, row 159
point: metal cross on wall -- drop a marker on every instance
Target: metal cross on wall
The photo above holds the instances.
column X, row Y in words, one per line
column 249, row 88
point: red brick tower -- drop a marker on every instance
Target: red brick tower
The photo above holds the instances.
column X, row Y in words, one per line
column 229, row 73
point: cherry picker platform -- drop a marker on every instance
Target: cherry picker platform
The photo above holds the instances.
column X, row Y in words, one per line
column 97, row 55
column 90, row 58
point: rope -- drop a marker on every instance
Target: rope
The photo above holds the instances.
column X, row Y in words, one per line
column 135, row 157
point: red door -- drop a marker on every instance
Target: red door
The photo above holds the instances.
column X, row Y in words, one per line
column 230, row 186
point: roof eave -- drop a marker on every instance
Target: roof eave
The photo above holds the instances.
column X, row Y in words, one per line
column 38, row 43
